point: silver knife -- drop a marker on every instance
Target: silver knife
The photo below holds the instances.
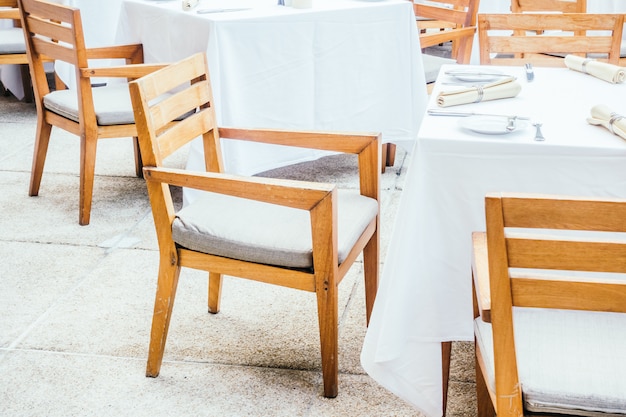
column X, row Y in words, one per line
column 467, row 114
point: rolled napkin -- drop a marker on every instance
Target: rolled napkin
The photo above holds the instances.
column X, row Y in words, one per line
column 189, row 4
column 602, row 115
column 605, row 71
column 504, row 88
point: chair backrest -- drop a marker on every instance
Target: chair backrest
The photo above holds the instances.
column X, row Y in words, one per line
column 9, row 10
column 193, row 99
column 529, row 239
column 564, row 6
column 462, row 13
column 498, row 47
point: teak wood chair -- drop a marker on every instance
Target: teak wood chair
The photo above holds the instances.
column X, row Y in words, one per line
column 233, row 229
column 445, row 21
column 550, row 295
column 12, row 45
column 498, row 47
column 55, row 31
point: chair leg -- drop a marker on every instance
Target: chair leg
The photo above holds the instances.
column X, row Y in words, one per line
column 26, row 83
column 138, row 160
column 215, row 292
column 163, row 304
column 371, row 265
column 483, row 399
column 88, row 148
column 39, row 155
column 446, row 352
column 328, row 317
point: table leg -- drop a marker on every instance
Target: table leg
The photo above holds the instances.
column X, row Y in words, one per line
column 446, row 350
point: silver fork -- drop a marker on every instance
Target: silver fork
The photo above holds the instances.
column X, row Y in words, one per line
column 538, row 135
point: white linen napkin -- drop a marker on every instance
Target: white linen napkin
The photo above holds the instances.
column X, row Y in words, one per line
column 504, row 88
column 602, row 115
column 189, row 4
column 605, row 71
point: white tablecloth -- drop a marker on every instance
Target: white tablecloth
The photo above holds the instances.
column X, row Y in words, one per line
column 424, row 296
column 341, row 65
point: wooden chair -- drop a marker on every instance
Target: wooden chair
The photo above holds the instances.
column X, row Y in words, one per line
column 498, row 47
column 550, row 293
column 55, row 31
column 233, row 229
column 12, row 46
column 444, row 21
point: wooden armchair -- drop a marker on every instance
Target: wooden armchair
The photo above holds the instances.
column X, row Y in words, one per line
column 295, row 234
column 12, row 46
column 550, row 297
column 444, row 21
column 56, row 32
column 498, row 47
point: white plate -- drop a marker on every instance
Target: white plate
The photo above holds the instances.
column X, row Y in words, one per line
column 491, row 125
column 476, row 75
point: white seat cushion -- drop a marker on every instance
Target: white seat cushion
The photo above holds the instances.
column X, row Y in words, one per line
column 112, row 104
column 12, row 41
column 569, row 362
column 432, row 65
column 265, row 233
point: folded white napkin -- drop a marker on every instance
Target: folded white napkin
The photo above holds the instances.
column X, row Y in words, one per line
column 504, row 88
column 189, row 4
column 605, row 71
column 601, row 115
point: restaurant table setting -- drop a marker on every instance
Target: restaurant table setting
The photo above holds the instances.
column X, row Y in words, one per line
column 461, row 154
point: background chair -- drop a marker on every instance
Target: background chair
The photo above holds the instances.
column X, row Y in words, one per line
column 550, row 296
column 498, row 47
column 56, row 32
column 12, row 46
column 295, row 234
column 442, row 22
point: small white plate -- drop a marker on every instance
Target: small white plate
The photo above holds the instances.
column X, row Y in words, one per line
column 476, row 75
column 491, row 125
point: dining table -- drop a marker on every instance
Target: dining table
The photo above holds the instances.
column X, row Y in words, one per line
column 425, row 291
column 340, row 65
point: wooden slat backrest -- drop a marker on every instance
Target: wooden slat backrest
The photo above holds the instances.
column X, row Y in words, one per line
column 597, row 252
column 460, row 12
column 495, row 37
column 190, row 89
column 564, row 6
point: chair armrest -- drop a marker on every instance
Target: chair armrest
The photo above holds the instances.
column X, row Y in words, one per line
column 328, row 141
column 122, row 71
column 480, row 274
column 130, row 51
column 290, row 193
column 10, row 14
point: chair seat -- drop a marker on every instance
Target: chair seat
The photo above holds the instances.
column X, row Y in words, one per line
column 12, row 41
column 569, row 362
column 265, row 233
column 112, row 104
column 432, row 65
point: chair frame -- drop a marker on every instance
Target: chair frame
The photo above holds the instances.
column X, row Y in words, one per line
column 158, row 139
column 533, row 46
column 55, row 31
column 497, row 289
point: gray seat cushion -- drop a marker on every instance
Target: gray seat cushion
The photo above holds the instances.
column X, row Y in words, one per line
column 12, row 41
column 112, row 104
column 569, row 362
column 432, row 65
column 265, row 233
